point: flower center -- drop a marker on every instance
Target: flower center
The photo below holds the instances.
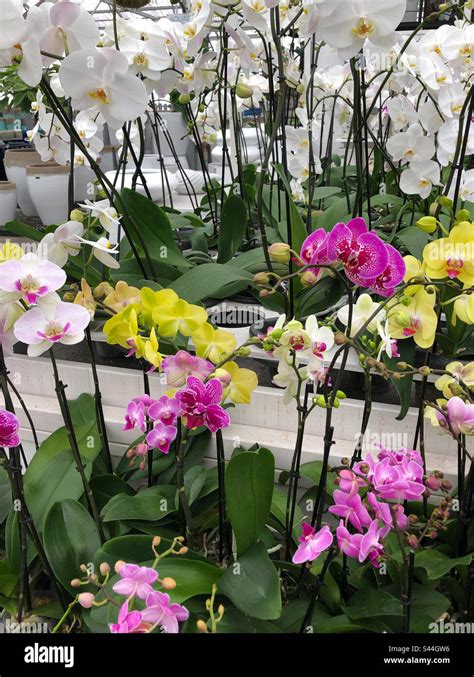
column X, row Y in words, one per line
column 363, row 28
column 454, row 267
column 140, row 60
column 99, row 95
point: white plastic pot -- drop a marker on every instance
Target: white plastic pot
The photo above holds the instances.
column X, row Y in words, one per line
column 16, row 162
column 48, row 187
column 157, row 183
column 7, row 202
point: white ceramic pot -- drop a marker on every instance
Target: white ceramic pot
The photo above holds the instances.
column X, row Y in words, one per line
column 7, row 202
column 16, row 162
column 154, row 181
column 48, row 186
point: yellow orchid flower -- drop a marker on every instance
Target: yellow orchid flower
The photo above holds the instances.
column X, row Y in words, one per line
column 102, row 290
column 182, row 317
column 417, row 319
column 152, row 300
column 85, row 298
column 430, row 412
column 122, row 296
column 457, row 372
column 452, row 256
column 414, row 269
column 213, row 344
column 10, row 252
column 242, row 382
column 464, row 309
column 150, row 352
column 122, row 328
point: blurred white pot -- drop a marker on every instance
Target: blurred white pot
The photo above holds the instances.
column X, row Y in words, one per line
column 16, row 162
column 7, row 202
column 48, row 187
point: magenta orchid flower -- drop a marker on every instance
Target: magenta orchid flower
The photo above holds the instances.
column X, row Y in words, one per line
column 312, row 544
column 459, row 419
column 178, row 367
column 383, row 512
column 161, row 436
column 29, row 278
column 127, row 622
column 311, row 247
column 348, row 543
column 166, row 410
column 362, row 253
column 370, row 545
column 41, row 328
column 9, row 427
column 384, row 284
column 401, row 482
column 159, row 611
column 350, row 508
column 135, row 580
column 200, row 403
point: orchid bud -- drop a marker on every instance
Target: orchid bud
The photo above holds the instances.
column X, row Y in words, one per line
column 104, row 568
column 463, row 215
column 261, row 279
column 77, row 215
column 75, row 583
column 118, row 565
column 244, row 351
column 308, row 278
column 412, row 541
column 243, row 91
column 433, row 483
column 156, row 541
column 202, row 627
column 280, row 252
column 340, row 339
column 425, row 371
column 141, row 449
column 445, row 201
column 86, row 599
column 168, row 583
column 184, row 99
column 427, row 224
column 446, row 485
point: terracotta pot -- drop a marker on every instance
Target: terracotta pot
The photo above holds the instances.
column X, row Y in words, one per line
column 7, row 202
column 48, row 185
column 16, row 162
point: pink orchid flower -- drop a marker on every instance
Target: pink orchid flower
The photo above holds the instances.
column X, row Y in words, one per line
column 402, row 482
column 160, row 611
column 370, row 545
column 459, row 418
column 166, row 410
column 135, row 580
column 178, row 367
column 348, row 543
column 135, row 416
column 362, row 254
column 200, row 403
column 350, row 508
column 383, row 512
column 312, row 544
column 29, row 278
column 161, row 436
column 127, row 622
column 9, row 427
column 60, row 323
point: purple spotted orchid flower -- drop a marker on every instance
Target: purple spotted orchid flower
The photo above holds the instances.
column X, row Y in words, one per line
column 362, row 253
column 127, row 621
column 160, row 611
column 385, row 283
column 9, row 427
column 200, row 404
